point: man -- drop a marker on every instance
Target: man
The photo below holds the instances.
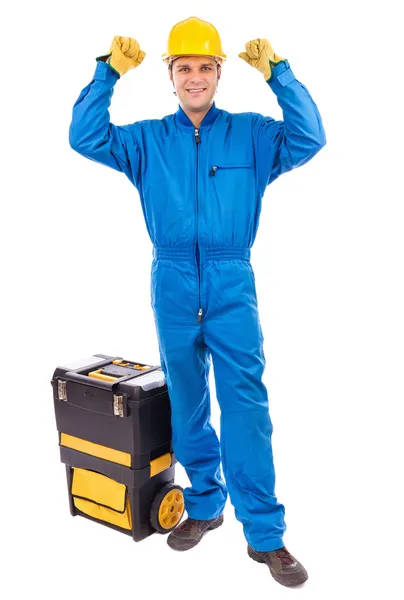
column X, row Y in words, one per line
column 201, row 174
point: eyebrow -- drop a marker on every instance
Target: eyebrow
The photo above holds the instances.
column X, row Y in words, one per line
column 188, row 65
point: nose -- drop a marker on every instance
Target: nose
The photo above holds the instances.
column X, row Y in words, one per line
column 194, row 77
column 195, row 81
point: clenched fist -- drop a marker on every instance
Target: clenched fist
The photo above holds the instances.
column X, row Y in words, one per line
column 124, row 54
column 259, row 54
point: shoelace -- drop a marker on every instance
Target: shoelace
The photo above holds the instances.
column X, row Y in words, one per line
column 187, row 525
column 284, row 556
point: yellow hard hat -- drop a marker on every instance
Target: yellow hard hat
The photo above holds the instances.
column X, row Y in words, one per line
column 194, row 37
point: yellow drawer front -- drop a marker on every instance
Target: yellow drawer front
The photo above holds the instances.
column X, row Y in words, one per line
column 101, row 497
column 116, row 456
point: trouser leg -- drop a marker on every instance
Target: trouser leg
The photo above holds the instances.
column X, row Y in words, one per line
column 186, row 361
column 235, row 340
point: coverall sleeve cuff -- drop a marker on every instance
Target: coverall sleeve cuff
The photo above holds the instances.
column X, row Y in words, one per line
column 282, row 74
column 103, row 72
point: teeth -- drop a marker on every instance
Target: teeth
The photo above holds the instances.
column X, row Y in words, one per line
column 198, row 90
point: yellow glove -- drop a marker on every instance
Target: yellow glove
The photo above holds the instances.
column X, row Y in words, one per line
column 124, row 54
column 259, row 54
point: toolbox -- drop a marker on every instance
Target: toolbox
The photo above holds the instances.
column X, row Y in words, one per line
column 113, row 419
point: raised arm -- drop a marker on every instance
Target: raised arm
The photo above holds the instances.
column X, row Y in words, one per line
column 91, row 133
column 283, row 145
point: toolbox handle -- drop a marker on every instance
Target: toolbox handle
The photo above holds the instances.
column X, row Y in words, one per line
column 99, row 383
column 85, row 380
column 80, row 375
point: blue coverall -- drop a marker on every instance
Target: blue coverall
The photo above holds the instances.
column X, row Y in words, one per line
column 201, row 192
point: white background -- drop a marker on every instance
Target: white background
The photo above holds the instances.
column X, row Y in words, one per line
column 329, row 269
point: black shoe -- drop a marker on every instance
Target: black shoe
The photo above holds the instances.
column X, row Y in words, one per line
column 284, row 567
column 189, row 533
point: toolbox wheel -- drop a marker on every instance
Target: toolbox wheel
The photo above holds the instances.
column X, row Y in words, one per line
column 167, row 508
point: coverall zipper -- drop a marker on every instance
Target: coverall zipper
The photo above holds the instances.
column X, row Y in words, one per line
column 216, row 167
column 200, row 311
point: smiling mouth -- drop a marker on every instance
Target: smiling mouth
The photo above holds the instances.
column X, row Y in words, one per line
column 196, row 90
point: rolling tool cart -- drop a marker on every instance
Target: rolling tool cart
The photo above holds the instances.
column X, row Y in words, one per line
column 114, row 422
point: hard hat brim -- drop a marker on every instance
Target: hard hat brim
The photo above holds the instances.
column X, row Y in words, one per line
column 167, row 58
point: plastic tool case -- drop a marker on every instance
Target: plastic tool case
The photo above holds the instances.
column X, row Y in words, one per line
column 114, row 422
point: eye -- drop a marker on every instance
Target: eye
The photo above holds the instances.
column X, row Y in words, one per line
column 183, row 68
column 209, row 68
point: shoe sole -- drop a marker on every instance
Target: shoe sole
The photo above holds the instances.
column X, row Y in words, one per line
column 286, row 582
column 181, row 545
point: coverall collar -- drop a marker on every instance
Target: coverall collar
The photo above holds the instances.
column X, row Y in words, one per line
column 207, row 120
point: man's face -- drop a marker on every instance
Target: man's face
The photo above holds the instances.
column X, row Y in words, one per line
column 195, row 79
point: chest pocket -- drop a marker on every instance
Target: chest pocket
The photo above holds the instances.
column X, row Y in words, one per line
column 223, row 166
column 232, row 180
